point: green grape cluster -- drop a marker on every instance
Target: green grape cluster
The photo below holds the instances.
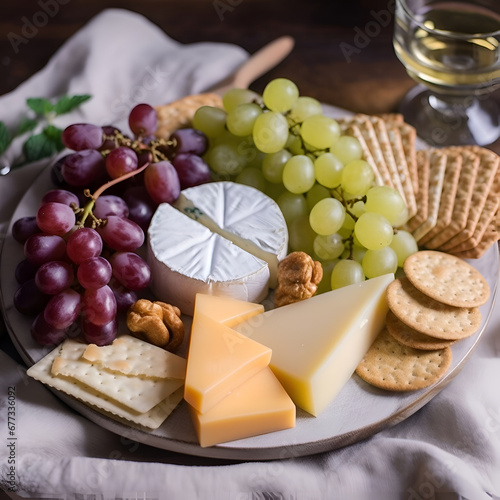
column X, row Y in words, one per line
column 281, row 143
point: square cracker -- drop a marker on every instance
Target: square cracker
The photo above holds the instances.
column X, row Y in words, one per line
column 490, row 237
column 409, row 140
column 422, row 197
column 448, row 195
column 437, row 168
column 152, row 419
column 131, row 356
column 460, row 213
column 488, row 166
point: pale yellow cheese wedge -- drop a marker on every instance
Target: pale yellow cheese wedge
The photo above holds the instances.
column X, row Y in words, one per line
column 317, row 343
column 258, row 406
column 219, row 360
column 226, row 310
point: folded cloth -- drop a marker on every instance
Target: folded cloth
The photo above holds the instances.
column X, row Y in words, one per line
column 448, row 449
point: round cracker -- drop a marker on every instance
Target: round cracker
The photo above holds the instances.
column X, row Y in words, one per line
column 428, row 316
column 447, row 278
column 393, row 366
column 411, row 338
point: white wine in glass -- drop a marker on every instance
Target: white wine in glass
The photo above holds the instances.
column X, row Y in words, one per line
column 452, row 50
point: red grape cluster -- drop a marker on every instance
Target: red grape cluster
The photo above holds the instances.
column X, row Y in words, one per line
column 80, row 266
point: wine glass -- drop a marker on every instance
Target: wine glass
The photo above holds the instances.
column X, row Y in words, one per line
column 452, row 50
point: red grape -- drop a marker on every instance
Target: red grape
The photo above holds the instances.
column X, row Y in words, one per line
column 189, row 140
column 63, row 309
column 99, row 334
column 60, row 196
column 191, row 169
column 141, row 206
column 124, row 297
column 40, row 248
column 120, row 234
column 162, row 182
column 82, row 136
column 55, row 218
column 23, row 228
column 94, row 273
column 28, row 299
column 84, row 244
column 142, row 119
column 130, row 270
column 109, row 204
column 25, row 271
column 54, row 277
column 99, row 306
column 121, row 161
column 45, row 334
column 83, row 168
column 109, row 144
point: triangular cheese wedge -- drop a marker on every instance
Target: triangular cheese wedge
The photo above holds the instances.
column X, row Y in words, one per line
column 226, row 310
column 219, row 360
column 317, row 343
column 257, row 406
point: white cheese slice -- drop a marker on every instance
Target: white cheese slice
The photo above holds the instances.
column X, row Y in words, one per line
column 243, row 215
column 187, row 258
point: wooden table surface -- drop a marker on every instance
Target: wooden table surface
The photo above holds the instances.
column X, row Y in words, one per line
column 343, row 54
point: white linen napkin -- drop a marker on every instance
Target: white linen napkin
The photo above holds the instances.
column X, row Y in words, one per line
column 448, row 449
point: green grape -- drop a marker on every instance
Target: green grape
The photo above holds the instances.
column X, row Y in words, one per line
column 320, row 131
column 294, row 144
column 402, row 219
column 240, row 120
column 253, row 156
column 234, row 97
column 347, row 149
column 315, row 194
column 225, row 159
column 252, row 176
column 280, row 95
column 346, row 272
column 328, row 170
column 325, row 283
column 327, row 216
column 404, row 244
column 301, row 236
column 388, row 202
column 274, row 191
column 378, row 262
column 210, row 120
column 273, row 165
column 270, row 132
column 357, row 209
column 328, row 247
column 357, row 177
column 358, row 252
column 345, row 232
column 303, row 108
column 293, row 206
column 373, row 231
column 298, row 174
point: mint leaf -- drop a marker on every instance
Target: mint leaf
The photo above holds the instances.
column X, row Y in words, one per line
column 66, row 103
column 27, row 125
column 54, row 135
column 4, row 137
column 40, row 105
column 38, row 146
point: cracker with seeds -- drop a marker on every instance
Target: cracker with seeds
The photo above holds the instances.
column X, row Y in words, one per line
column 487, row 170
column 179, row 114
column 448, row 195
column 411, row 338
column 422, row 197
column 428, row 316
column 390, row 365
column 447, row 279
column 460, row 213
column 437, row 168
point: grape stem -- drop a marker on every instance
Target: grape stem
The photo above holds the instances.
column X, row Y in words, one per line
column 86, row 211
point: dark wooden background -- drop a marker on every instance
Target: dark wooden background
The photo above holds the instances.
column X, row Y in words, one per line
column 331, row 61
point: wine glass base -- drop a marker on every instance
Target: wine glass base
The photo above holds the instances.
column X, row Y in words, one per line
column 450, row 120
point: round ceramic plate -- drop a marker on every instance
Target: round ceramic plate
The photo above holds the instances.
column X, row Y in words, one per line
column 343, row 422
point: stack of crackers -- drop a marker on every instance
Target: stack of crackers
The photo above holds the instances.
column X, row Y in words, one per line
column 130, row 380
column 433, row 306
column 452, row 194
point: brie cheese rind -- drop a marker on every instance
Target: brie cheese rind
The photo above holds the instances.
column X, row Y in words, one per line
column 219, row 238
column 187, row 258
column 242, row 214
